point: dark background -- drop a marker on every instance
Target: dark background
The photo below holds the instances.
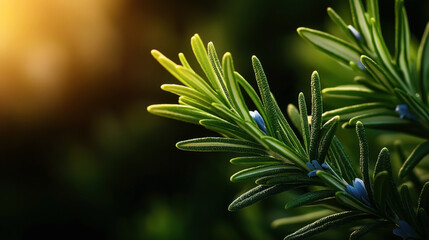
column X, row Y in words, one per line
column 80, row 157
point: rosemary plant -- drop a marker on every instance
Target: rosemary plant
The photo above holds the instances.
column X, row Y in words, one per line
column 389, row 93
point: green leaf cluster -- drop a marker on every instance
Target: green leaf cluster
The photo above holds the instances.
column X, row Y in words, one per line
column 300, row 150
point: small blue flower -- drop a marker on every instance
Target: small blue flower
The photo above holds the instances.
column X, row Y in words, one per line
column 355, row 32
column 402, row 110
column 259, row 120
column 361, row 66
column 404, row 230
column 358, row 191
column 315, row 166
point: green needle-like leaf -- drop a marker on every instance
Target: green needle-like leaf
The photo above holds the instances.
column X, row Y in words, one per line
column 356, row 92
column 423, row 65
column 328, row 132
column 424, row 197
column 283, row 151
column 295, row 117
column 264, row 89
column 309, row 198
column 385, row 57
column 218, row 144
column 184, row 62
column 364, row 158
column 414, row 158
column 288, row 178
column 203, row 59
column 262, row 171
column 381, row 188
column 254, row 160
column 424, row 220
column 348, row 200
column 233, row 88
column 185, row 91
column 410, row 214
column 180, row 112
column 300, row 219
column 346, row 113
column 330, row 180
column 340, row 23
column 339, row 159
column 324, row 224
column 256, row 194
column 360, row 21
column 383, row 78
column 359, row 233
column 316, row 115
column 223, row 127
column 333, row 46
column 402, row 41
column 305, row 128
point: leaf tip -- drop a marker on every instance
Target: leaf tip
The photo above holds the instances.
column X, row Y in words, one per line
column 315, row 76
column 155, row 53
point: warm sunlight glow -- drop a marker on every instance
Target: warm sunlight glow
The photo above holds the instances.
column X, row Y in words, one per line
column 48, row 47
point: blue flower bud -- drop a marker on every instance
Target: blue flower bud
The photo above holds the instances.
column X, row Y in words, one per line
column 355, row 32
column 404, row 230
column 358, row 191
column 402, row 110
column 315, row 166
column 259, row 120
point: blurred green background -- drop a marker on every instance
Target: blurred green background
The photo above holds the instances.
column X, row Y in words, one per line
column 80, row 157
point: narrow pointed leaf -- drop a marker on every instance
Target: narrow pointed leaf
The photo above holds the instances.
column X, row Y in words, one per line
column 233, row 89
column 410, row 214
column 402, row 41
column 309, row 198
column 302, row 218
column 203, row 59
column 256, row 194
column 180, row 112
column 424, row 220
column 295, row 117
column 264, row 89
column 305, row 128
column 348, row 200
column 330, row 180
column 414, row 158
column 352, row 110
column 339, row 159
column 218, row 144
column 333, row 46
column 316, row 115
column 324, row 224
column 340, row 23
column 423, row 65
column 382, row 77
column 224, row 127
column 185, row 91
column 424, row 197
column 360, row 21
column 254, row 160
column 252, row 94
column 184, row 62
column 364, row 158
column 356, row 92
column 283, row 151
column 385, row 57
column 262, row 171
column 360, row 232
column 328, row 132
column 381, row 188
